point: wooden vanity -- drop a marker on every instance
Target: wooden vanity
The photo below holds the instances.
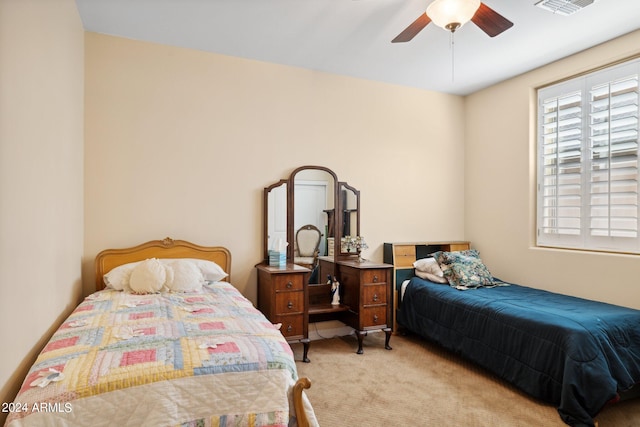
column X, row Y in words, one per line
column 285, row 294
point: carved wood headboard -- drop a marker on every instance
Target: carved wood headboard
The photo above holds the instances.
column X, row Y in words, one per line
column 108, row 259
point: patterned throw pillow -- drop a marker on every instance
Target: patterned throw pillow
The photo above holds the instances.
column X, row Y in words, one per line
column 464, row 269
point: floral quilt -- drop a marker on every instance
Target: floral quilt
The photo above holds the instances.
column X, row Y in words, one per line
column 168, row 359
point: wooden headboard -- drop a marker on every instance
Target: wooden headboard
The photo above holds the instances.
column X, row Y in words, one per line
column 166, row 248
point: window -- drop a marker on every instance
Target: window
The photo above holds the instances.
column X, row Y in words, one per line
column 588, row 161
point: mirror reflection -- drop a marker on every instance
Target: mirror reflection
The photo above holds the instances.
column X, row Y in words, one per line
column 349, row 201
column 276, row 214
column 314, row 205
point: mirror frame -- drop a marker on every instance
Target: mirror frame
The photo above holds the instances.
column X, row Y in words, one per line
column 265, row 214
column 291, row 232
column 343, row 211
column 338, row 212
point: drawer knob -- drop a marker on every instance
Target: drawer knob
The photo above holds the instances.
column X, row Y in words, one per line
column 289, row 305
column 289, row 328
column 375, row 297
column 375, row 318
column 375, row 278
column 289, row 284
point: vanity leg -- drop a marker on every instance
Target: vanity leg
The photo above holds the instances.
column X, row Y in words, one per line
column 387, row 332
column 360, row 335
column 305, row 343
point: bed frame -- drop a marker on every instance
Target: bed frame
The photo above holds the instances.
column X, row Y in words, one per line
column 109, row 259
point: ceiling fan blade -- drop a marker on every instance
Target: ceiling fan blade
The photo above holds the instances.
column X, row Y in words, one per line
column 413, row 29
column 490, row 21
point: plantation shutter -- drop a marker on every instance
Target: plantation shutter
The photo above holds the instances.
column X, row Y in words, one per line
column 588, row 161
column 561, row 165
column 613, row 147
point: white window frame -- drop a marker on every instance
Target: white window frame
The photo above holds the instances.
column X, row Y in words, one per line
column 578, row 187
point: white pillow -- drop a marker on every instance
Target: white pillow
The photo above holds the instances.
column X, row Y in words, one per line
column 148, row 277
column 428, row 265
column 118, row 278
column 187, row 277
column 211, row 271
column 431, row 277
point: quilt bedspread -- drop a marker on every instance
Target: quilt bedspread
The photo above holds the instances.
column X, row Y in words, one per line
column 207, row 359
column 571, row 352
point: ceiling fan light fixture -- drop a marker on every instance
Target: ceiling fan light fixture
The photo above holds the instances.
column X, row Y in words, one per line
column 452, row 14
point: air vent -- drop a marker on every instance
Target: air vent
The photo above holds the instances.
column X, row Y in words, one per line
column 564, row 7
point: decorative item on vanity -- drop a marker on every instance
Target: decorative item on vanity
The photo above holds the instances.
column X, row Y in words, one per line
column 278, row 254
column 335, row 292
column 357, row 244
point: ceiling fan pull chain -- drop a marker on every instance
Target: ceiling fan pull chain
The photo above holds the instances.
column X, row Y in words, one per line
column 452, row 57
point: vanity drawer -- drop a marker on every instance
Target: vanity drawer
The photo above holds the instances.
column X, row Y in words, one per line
column 288, row 282
column 291, row 325
column 289, row 302
column 374, row 294
column 374, row 316
column 374, row 276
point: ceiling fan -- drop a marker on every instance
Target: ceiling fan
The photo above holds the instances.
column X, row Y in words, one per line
column 452, row 14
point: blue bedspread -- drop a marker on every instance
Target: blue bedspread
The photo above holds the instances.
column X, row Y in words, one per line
column 574, row 353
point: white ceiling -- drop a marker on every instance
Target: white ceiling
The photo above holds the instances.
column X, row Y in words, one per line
column 353, row 37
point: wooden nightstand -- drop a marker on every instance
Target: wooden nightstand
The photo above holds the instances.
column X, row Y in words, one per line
column 367, row 293
column 283, row 298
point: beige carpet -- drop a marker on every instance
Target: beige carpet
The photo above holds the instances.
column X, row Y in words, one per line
column 419, row 384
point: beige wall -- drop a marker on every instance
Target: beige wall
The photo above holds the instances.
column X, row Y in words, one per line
column 41, row 182
column 500, row 188
column 181, row 143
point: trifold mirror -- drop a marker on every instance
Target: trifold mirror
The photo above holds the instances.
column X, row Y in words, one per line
column 313, row 212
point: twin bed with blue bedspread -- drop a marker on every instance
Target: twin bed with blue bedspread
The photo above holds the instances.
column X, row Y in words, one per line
column 574, row 353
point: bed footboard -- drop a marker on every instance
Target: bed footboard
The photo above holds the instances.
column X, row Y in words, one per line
column 298, row 401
